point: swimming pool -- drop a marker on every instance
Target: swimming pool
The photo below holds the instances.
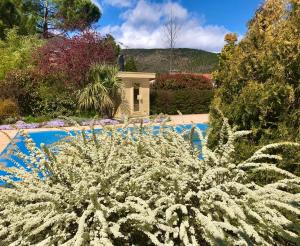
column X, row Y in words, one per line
column 51, row 137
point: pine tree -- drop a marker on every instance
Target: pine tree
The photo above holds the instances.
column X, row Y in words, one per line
column 47, row 16
column 130, row 65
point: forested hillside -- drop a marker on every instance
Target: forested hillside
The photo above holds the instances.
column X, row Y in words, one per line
column 185, row 60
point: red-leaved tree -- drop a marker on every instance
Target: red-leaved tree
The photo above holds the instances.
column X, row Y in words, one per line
column 72, row 57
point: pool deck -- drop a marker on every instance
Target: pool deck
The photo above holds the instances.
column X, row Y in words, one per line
column 7, row 135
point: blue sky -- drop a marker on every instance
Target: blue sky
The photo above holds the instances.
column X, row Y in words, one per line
column 140, row 23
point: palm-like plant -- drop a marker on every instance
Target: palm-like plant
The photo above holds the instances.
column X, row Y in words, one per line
column 103, row 92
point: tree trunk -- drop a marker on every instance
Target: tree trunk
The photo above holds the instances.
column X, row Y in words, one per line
column 45, row 19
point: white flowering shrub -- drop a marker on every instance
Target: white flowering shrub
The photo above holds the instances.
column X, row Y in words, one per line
column 133, row 187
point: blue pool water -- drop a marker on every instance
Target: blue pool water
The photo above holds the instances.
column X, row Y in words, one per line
column 51, row 137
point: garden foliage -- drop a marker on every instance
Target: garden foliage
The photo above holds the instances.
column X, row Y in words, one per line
column 9, row 16
column 16, row 52
column 179, row 81
column 103, row 93
column 47, row 17
column 187, row 93
column 259, row 77
column 20, row 14
column 43, row 77
column 133, row 187
column 73, row 57
column 8, row 109
column 187, row 101
column 130, row 65
column 38, row 95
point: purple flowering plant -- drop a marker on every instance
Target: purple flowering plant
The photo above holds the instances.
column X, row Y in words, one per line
column 56, row 123
column 6, row 127
column 100, row 122
column 23, row 125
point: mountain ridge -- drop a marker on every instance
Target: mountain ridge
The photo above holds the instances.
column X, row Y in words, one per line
column 184, row 60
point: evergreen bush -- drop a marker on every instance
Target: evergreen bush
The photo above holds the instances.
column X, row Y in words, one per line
column 130, row 65
column 259, row 79
column 179, row 81
column 187, row 101
column 187, row 93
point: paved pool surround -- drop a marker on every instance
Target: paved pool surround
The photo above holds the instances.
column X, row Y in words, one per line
column 7, row 135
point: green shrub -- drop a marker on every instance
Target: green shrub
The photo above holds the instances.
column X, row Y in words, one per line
column 132, row 187
column 187, row 93
column 38, row 119
column 259, row 107
column 16, row 51
column 130, row 65
column 179, row 81
column 38, row 95
column 54, row 99
column 187, row 101
column 8, row 109
column 259, row 79
column 103, row 93
column 20, row 85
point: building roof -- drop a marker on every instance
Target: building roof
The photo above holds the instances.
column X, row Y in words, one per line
column 207, row 75
column 137, row 75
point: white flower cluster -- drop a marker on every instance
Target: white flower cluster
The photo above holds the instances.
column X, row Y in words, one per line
column 133, row 187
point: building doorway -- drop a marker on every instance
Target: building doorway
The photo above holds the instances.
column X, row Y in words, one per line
column 136, row 97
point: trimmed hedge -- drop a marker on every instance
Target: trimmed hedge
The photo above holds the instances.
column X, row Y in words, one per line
column 187, row 93
column 179, row 81
column 187, row 101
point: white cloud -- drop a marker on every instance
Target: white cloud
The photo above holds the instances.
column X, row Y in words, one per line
column 143, row 13
column 174, row 9
column 120, row 3
column 143, row 27
column 153, row 13
column 96, row 2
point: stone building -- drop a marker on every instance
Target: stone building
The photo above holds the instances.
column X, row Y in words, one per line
column 136, row 93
